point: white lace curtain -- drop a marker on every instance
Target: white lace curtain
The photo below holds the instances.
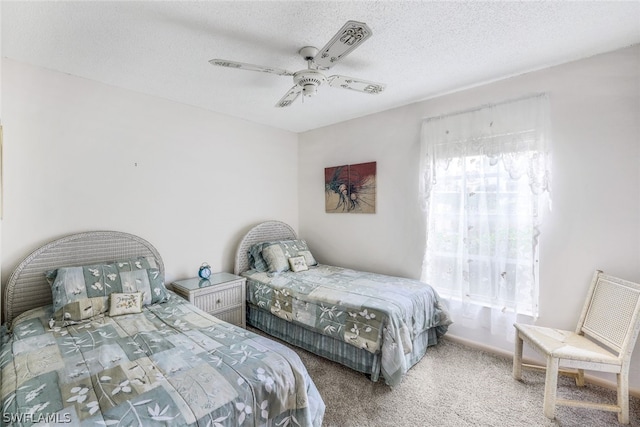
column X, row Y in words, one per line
column 484, row 183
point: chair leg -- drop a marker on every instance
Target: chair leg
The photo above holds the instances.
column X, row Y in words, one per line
column 517, row 357
column 580, row 378
column 623, row 398
column 550, row 387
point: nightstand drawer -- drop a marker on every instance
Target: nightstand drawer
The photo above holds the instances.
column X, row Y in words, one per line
column 219, row 300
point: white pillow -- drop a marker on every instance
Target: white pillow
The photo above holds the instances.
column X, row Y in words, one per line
column 125, row 303
column 298, row 263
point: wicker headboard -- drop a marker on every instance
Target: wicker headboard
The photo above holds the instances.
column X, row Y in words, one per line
column 263, row 232
column 27, row 287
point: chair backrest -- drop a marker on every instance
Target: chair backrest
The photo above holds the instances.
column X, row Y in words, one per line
column 611, row 314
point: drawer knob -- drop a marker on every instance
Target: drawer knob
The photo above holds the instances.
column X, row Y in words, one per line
column 218, row 301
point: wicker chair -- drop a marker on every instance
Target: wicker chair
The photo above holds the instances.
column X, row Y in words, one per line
column 603, row 341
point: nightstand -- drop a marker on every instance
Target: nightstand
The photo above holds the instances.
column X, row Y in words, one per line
column 222, row 295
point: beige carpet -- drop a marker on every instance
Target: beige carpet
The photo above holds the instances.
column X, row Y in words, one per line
column 453, row 385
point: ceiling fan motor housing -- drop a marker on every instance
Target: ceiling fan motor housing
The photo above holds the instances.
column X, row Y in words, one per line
column 309, row 80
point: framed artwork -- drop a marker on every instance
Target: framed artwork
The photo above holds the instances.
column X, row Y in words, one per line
column 350, row 188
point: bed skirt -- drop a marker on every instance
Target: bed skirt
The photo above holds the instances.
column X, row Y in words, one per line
column 338, row 351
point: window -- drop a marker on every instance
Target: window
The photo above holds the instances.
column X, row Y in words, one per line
column 485, row 184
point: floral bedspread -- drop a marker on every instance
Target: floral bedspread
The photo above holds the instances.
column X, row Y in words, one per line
column 170, row 365
column 375, row 312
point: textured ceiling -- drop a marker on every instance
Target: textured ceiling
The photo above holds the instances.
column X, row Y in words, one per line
column 418, row 49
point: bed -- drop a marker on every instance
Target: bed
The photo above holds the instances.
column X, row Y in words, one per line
column 164, row 363
column 376, row 324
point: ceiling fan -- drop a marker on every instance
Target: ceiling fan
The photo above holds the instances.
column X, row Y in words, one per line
column 350, row 36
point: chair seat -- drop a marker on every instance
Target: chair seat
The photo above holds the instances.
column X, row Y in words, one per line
column 567, row 345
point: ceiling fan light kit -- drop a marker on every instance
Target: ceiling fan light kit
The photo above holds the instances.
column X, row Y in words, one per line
column 309, row 80
column 350, row 36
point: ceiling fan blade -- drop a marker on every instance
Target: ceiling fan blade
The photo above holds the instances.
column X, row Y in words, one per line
column 355, row 84
column 351, row 35
column 291, row 96
column 250, row 67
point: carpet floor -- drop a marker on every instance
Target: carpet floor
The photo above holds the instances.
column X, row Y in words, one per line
column 453, row 385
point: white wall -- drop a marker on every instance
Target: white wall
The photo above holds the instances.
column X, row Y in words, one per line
column 202, row 179
column 595, row 221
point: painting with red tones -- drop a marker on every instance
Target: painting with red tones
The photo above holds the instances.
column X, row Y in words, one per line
column 350, row 188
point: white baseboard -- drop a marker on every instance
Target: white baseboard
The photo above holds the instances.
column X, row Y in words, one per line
column 509, row 355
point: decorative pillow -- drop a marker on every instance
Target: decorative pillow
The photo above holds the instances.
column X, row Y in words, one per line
column 125, row 303
column 91, row 281
column 277, row 254
column 298, row 263
column 276, row 258
column 256, row 261
column 308, row 257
